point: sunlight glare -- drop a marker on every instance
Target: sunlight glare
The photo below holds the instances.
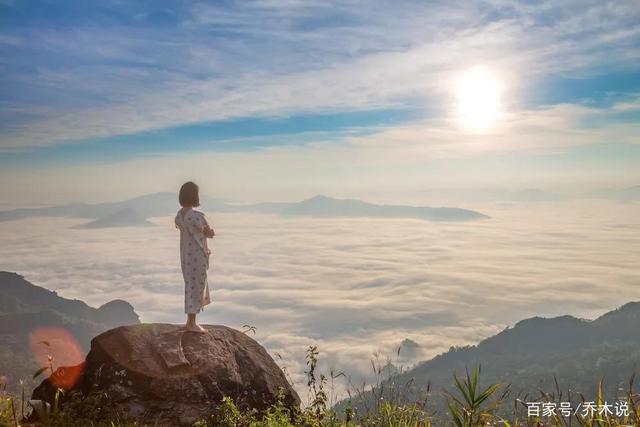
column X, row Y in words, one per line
column 478, row 96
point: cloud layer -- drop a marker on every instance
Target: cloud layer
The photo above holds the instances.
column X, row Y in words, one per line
column 354, row 287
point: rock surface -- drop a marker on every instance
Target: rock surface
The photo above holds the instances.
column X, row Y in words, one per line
column 159, row 374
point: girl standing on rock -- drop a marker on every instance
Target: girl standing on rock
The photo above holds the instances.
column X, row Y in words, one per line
column 194, row 254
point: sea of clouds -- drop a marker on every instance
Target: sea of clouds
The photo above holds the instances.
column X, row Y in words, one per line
column 354, row 287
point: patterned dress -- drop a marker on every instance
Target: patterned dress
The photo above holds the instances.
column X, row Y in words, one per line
column 194, row 257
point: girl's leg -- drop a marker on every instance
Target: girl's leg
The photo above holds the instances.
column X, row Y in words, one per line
column 192, row 325
column 191, row 319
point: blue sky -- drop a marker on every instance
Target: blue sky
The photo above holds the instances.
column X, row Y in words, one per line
column 406, row 101
column 353, row 93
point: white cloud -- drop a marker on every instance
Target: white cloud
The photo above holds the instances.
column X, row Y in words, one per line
column 378, row 57
column 416, row 156
column 356, row 286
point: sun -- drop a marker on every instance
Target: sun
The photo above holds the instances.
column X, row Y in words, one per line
column 478, row 93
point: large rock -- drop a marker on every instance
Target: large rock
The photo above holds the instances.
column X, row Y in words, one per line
column 159, row 374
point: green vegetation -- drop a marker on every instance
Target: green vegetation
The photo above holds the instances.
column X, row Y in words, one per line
column 469, row 405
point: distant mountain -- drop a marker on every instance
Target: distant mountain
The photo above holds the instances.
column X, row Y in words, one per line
column 26, row 308
column 147, row 206
column 578, row 352
column 136, row 211
column 323, row 206
column 263, row 208
column 126, row 217
column 131, row 212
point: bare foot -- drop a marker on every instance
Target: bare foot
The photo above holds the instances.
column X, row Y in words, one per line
column 195, row 328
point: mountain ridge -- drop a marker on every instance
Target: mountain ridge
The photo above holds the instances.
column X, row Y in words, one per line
column 137, row 210
column 532, row 355
column 29, row 312
column 126, row 217
column 34, row 298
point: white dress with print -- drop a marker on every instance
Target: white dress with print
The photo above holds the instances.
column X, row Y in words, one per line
column 194, row 257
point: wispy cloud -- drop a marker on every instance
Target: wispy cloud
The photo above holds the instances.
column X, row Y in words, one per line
column 547, row 129
column 566, row 148
column 267, row 59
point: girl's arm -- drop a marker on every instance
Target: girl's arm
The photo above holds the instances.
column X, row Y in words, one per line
column 208, row 231
column 198, row 225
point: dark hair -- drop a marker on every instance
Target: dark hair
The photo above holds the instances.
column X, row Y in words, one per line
column 189, row 194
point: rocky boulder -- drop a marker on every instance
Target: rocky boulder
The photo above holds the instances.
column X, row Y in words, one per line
column 161, row 375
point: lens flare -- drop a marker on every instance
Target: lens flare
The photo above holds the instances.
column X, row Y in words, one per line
column 57, row 347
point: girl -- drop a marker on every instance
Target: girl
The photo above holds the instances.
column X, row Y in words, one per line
column 194, row 254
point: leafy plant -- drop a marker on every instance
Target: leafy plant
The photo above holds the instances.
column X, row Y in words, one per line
column 318, row 397
column 249, row 328
column 471, row 407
